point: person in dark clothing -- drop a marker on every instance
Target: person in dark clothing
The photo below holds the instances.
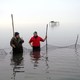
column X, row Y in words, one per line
column 16, row 44
column 35, row 41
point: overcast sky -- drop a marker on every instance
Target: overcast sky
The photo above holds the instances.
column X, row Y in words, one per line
column 28, row 12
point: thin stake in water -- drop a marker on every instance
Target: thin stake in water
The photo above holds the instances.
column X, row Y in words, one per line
column 46, row 41
column 76, row 41
column 46, row 33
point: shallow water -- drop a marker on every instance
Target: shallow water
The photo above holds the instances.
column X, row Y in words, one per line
column 60, row 62
column 55, row 64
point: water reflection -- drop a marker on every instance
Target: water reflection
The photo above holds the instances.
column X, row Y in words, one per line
column 47, row 65
column 39, row 56
column 35, row 57
column 17, row 63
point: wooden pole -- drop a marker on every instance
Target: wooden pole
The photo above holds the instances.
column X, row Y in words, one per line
column 46, row 33
column 46, row 42
column 12, row 24
column 76, row 41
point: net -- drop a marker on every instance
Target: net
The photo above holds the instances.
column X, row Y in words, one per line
column 51, row 47
column 2, row 54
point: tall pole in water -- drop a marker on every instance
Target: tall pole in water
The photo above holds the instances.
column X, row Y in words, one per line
column 46, row 41
column 46, row 33
column 12, row 24
column 53, row 24
column 76, row 41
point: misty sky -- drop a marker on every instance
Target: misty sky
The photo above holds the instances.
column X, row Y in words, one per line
column 28, row 12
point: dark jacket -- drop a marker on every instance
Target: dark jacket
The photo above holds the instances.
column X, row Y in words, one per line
column 18, row 45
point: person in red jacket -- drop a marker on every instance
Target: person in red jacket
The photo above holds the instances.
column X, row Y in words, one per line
column 35, row 41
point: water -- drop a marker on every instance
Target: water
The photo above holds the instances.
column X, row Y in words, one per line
column 57, row 63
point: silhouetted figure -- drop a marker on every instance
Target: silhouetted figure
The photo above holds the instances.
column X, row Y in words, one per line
column 16, row 44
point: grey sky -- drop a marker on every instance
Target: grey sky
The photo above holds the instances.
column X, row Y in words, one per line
column 39, row 11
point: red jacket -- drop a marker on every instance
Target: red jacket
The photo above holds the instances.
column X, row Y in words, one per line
column 36, row 41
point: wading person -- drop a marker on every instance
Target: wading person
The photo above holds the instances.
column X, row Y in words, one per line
column 16, row 44
column 35, row 41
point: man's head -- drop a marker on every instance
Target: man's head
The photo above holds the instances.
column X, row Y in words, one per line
column 35, row 33
column 16, row 34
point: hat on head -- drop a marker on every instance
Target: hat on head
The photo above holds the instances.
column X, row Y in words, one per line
column 16, row 33
column 35, row 32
